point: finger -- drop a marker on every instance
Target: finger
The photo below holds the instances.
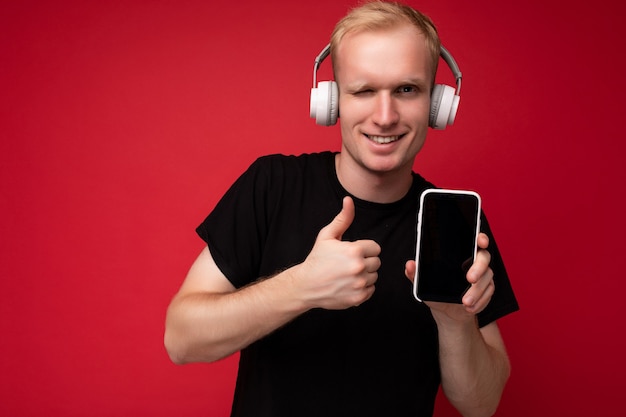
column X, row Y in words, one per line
column 483, row 241
column 341, row 222
column 372, row 264
column 364, row 295
column 480, row 266
column 481, row 303
column 477, row 290
column 409, row 270
column 367, row 280
column 369, row 247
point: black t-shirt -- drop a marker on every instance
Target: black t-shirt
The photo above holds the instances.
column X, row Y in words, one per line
column 380, row 358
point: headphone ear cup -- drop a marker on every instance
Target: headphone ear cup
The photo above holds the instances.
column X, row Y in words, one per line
column 324, row 105
column 444, row 104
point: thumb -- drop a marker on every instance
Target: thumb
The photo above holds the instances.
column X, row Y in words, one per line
column 341, row 222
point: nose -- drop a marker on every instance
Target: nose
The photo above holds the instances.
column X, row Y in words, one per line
column 385, row 112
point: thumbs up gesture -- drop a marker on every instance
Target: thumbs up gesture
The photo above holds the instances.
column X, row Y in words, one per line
column 338, row 274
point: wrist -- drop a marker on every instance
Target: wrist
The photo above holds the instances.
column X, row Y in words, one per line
column 454, row 317
column 288, row 284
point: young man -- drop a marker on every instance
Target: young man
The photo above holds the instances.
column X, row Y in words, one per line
column 307, row 258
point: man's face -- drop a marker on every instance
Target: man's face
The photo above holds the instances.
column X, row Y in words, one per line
column 384, row 80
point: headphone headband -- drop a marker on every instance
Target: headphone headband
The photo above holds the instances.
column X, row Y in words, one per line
column 449, row 59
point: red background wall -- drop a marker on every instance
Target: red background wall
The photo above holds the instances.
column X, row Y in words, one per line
column 123, row 122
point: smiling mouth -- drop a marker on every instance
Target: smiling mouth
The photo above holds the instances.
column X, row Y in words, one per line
column 381, row 140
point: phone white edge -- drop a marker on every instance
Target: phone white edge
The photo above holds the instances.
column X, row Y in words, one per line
column 419, row 229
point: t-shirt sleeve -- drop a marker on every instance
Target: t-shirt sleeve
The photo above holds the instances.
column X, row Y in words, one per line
column 235, row 230
column 503, row 301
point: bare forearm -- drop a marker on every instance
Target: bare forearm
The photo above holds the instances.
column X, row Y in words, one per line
column 205, row 327
column 473, row 372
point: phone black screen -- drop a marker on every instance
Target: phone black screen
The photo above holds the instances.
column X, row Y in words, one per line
column 447, row 245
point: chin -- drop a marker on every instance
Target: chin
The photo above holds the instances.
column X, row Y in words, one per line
column 385, row 165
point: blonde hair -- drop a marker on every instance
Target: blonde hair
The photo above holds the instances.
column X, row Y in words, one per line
column 379, row 15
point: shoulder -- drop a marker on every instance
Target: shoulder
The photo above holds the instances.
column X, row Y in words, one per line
column 301, row 161
column 289, row 168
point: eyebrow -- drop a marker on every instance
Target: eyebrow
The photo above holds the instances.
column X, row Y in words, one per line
column 359, row 85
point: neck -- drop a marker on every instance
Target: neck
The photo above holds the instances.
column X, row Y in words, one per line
column 376, row 187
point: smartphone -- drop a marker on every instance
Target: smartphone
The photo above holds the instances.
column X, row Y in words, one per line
column 447, row 230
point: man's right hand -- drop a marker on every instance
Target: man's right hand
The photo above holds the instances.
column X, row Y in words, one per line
column 338, row 274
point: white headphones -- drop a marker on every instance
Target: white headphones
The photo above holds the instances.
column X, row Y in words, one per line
column 444, row 100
